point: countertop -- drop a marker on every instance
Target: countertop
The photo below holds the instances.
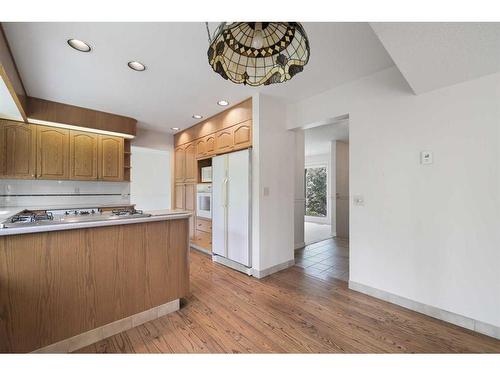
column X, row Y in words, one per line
column 156, row 215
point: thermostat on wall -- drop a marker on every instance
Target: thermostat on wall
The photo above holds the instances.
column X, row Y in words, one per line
column 426, row 157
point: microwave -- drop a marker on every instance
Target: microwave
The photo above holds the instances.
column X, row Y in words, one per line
column 206, row 174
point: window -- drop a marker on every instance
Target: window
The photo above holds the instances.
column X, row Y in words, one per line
column 316, row 191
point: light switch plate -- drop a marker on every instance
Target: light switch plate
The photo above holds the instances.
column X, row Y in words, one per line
column 426, row 157
column 266, row 191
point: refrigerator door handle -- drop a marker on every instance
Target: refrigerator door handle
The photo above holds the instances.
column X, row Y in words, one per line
column 224, row 192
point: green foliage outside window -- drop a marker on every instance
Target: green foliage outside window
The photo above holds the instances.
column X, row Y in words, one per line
column 315, row 180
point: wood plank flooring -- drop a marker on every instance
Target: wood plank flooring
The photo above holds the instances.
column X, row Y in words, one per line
column 288, row 312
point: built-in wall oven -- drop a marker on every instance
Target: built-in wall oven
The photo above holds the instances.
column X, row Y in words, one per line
column 204, row 200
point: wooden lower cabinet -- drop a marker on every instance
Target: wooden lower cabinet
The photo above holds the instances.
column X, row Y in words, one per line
column 179, row 194
column 52, row 146
column 185, row 199
column 83, row 148
column 17, row 150
column 110, row 158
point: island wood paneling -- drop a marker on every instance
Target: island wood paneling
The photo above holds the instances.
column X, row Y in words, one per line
column 55, row 285
column 46, row 110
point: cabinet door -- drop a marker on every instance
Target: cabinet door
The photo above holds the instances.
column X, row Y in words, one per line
column 180, row 160
column 200, row 148
column 210, row 144
column 242, row 135
column 224, row 141
column 52, row 151
column 190, row 163
column 190, row 199
column 179, row 196
column 110, row 158
column 17, row 150
column 83, row 155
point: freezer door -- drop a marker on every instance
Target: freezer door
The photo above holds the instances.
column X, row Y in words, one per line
column 219, row 205
column 238, row 207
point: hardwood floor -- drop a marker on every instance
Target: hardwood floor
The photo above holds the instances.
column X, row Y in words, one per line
column 288, row 312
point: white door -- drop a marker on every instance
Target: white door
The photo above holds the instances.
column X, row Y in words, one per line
column 219, row 169
column 238, row 193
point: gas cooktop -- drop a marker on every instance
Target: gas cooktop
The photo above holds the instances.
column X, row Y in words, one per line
column 50, row 217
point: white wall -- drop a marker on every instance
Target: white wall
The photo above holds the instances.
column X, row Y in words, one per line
column 152, row 161
column 273, row 185
column 428, row 233
column 150, row 186
column 300, row 200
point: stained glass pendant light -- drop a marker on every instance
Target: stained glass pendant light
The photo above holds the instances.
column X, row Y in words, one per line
column 258, row 53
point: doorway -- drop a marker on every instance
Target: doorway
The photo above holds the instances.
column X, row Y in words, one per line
column 326, row 203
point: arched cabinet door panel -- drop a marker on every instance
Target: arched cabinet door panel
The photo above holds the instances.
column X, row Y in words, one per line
column 110, row 158
column 52, row 153
column 17, row 150
column 180, row 160
column 242, row 135
column 83, row 148
column 190, row 163
column 224, row 141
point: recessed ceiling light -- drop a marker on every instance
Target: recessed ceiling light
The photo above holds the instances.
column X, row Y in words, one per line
column 223, row 103
column 197, row 117
column 174, row 129
column 79, row 45
column 136, row 65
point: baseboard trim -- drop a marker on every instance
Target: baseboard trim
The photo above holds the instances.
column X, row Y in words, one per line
column 435, row 312
column 259, row 274
column 232, row 264
column 100, row 333
column 200, row 249
column 299, row 245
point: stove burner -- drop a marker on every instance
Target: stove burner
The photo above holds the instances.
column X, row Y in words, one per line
column 31, row 216
column 126, row 212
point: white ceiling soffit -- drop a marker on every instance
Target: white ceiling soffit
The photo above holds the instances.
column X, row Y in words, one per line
column 8, row 107
column 317, row 140
column 178, row 81
column 435, row 55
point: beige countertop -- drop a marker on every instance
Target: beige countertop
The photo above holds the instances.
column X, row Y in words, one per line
column 156, row 215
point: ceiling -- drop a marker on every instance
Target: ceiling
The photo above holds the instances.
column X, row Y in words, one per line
column 317, row 140
column 435, row 55
column 178, row 81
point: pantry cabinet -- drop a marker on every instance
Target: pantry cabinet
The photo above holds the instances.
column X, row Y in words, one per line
column 17, row 150
column 52, row 153
column 83, row 148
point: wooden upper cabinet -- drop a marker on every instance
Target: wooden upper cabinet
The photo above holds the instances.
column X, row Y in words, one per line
column 110, row 158
column 180, row 162
column 83, row 148
column 242, row 135
column 201, row 147
column 210, row 144
column 52, row 146
column 17, row 150
column 224, row 141
column 190, row 163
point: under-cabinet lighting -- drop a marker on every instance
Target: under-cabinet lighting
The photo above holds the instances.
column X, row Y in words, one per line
column 79, row 128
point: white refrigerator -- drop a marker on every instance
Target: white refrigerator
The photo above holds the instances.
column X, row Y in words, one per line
column 231, row 215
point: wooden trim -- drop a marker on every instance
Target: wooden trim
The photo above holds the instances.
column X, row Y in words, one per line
column 9, row 50
column 15, row 97
column 46, row 110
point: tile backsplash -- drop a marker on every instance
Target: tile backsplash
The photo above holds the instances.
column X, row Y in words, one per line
column 42, row 193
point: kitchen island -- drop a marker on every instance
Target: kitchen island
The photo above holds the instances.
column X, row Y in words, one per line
column 65, row 286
